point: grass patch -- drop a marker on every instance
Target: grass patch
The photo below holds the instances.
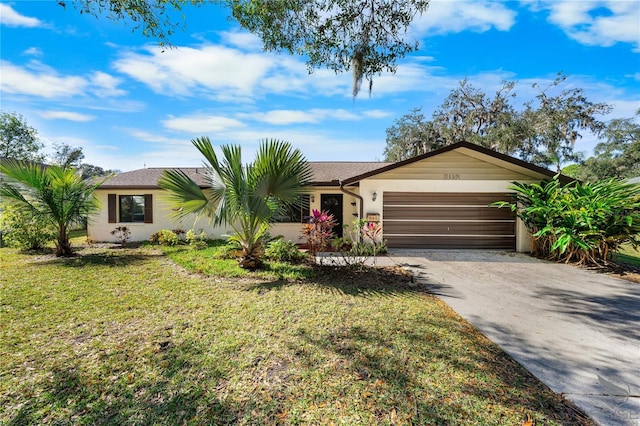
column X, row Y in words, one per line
column 123, row 336
column 627, row 255
column 206, row 262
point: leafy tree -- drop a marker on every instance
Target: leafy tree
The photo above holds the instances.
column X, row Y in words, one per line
column 411, row 135
column 55, row 195
column 619, row 155
column 18, row 141
column 89, row 170
column 556, row 123
column 67, row 156
column 245, row 197
column 24, row 230
column 468, row 114
column 362, row 36
column 544, row 132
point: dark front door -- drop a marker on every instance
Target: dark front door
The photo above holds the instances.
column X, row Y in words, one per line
column 332, row 203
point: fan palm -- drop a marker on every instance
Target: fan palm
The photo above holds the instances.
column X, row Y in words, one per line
column 245, row 197
column 55, row 194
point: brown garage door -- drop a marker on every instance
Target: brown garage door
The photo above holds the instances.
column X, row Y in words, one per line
column 447, row 220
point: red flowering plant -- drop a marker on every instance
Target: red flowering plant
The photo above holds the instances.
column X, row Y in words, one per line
column 319, row 231
column 372, row 232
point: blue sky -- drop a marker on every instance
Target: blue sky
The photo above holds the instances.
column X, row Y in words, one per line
column 99, row 85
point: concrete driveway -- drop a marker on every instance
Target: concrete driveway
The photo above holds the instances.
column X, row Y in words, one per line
column 578, row 331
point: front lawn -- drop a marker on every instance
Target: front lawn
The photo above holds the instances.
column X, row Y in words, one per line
column 125, row 336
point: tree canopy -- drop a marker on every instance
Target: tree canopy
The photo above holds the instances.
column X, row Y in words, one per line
column 544, row 131
column 18, row 140
column 618, row 156
column 67, row 156
column 365, row 37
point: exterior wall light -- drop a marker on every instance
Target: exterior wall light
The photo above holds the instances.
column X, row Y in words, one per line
column 374, row 196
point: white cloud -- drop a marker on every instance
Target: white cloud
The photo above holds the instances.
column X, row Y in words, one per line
column 187, row 71
column 105, row 85
column 11, row 18
column 445, row 16
column 597, row 22
column 33, row 51
column 39, row 80
column 241, row 39
column 147, row 136
column 46, row 84
column 286, row 116
column 201, row 123
column 377, row 113
column 66, row 115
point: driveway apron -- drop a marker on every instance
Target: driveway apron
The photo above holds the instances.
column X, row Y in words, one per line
column 578, row 331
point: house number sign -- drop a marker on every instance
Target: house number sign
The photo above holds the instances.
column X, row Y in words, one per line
column 451, row 176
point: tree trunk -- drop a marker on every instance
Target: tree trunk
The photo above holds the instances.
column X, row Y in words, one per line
column 63, row 245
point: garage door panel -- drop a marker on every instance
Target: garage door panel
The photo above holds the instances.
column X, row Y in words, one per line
column 449, row 228
column 450, row 242
column 439, row 213
column 448, row 220
column 455, row 198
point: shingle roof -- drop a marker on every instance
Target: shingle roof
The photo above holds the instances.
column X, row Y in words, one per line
column 324, row 173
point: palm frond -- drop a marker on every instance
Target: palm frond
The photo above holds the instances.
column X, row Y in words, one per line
column 184, row 196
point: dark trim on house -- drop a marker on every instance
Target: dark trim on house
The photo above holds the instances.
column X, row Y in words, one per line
column 515, row 161
column 111, row 201
column 148, row 208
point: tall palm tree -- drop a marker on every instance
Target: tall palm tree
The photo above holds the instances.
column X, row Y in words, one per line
column 245, row 197
column 55, row 194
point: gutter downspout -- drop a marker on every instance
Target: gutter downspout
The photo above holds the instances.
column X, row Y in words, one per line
column 353, row 194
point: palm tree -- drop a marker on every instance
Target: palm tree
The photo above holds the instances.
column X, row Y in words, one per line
column 245, row 197
column 55, row 194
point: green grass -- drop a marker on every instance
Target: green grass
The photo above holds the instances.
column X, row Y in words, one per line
column 627, row 255
column 206, row 262
column 125, row 336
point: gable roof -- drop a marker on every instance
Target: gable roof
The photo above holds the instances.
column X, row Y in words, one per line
column 325, row 173
column 458, row 146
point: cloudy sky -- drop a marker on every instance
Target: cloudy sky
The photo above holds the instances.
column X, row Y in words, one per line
column 99, row 85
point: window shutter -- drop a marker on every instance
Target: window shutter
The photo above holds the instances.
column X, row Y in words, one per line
column 148, row 208
column 111, row 200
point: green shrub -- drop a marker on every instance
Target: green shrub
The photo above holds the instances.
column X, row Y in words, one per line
column 24, row 230
column 578, row 222
column 284, row 251
column 196, row 241
column 164, row 237
column 368, row 249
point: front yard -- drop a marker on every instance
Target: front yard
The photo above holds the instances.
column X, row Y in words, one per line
column 126, row 336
